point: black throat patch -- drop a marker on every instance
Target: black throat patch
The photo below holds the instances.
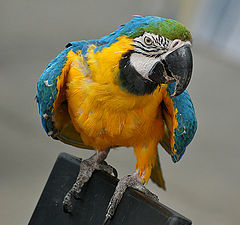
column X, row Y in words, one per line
column 131, row 80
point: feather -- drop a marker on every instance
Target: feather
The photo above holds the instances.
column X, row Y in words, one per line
column 156, row 174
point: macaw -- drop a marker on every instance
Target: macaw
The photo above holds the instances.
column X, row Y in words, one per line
column 125, row 89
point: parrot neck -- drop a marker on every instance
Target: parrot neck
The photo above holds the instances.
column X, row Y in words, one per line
column 131, row 80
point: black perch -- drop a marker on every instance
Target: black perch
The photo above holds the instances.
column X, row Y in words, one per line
column 90, row 209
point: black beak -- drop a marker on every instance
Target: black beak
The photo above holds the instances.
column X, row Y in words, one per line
column 176, row 67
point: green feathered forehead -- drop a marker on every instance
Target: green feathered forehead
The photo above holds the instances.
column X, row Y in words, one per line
column 170, row 29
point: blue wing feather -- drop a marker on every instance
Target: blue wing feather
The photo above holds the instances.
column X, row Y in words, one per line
column 187, row 122
column 47, row 84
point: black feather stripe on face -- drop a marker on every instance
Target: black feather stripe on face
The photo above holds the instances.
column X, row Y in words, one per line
column 157, row 45
column 131, row 80
column 148, row 50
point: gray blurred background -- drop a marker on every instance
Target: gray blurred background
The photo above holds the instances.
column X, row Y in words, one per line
column 205, row 185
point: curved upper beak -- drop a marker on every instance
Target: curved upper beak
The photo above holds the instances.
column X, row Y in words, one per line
column 175, row 66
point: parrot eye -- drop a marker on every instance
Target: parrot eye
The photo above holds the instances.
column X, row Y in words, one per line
column 148, row 41
column 151, row 45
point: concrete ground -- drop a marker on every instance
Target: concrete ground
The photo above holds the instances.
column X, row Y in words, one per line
column 204, row 186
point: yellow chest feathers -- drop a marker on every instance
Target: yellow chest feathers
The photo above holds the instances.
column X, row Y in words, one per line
column 104, row 114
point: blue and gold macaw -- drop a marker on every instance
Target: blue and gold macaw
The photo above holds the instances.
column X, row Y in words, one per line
column 124, row 89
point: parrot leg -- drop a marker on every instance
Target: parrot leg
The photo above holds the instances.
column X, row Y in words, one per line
column 128, row 181
column 87, row 167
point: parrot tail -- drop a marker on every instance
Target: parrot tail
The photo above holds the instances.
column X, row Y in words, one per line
column 156, row 174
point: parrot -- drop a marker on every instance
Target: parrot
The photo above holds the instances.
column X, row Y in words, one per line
column 126, row 89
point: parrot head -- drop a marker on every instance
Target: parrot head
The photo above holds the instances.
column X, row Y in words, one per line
column 161, row 54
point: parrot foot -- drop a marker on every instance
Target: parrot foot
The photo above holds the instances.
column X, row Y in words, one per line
column 128, row 181
column 87, row 167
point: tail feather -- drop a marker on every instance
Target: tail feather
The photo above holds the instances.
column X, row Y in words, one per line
column 156, row 174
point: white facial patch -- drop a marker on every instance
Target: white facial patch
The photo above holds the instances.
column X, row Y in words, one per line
column 151, row 44
column 143, row 64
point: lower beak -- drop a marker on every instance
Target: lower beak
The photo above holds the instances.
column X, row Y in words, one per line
column 175, row 67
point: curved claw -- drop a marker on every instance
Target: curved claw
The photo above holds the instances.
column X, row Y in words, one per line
column 67, row 207
column 107, row 218
column 115, row 173
column 108, row 168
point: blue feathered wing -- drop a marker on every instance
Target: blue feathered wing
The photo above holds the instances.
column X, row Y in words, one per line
column 175, row 139
column 48, row 94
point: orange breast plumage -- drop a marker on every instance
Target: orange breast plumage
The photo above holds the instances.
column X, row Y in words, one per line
column 104, row 114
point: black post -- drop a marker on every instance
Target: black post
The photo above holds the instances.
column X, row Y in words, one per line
column 134, row 208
